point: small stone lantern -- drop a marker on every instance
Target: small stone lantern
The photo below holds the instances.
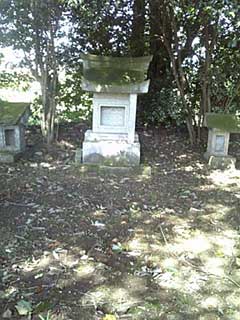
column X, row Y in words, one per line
column 115, row 83
column 220, row 126
column 13, row 118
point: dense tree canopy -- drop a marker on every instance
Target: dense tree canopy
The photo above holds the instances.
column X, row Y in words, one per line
column 195, row 48
column 34, row 27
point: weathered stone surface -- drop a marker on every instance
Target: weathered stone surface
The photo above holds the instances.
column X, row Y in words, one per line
column 12, row 113
column 223, row 122
column 13, row 117
column 115, row 83
column 78, row 155
column 12, row 138
column 115, row 74
column 217, row 162
column 8, row 157
column 113, row 140
column 103, row 114
column 218, row 142
column 127, row 88
column 142, row 170
column 112, row 153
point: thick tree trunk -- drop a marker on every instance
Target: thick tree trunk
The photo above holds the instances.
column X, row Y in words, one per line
column 159, row 71
column 46, row 66
column 137, row 43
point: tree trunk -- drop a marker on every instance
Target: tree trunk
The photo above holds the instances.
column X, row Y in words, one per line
column 49, row 91
column 49, row 107
column 46, row 66
column 159, row 71
column 137, row 41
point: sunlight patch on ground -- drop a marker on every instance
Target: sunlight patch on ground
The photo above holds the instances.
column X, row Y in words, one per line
column 36, row 264
column 137, row 245
column 215, row 266
column 84, row 269
column 225, row 178
column 196, row 244
column 212, row 302
column 218, row 210
column 110, row 298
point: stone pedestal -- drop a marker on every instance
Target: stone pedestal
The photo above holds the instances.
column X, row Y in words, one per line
column 9, row 157
column 218, row 162
column 13, row 118
column 110, row 149
column 115, row 83
column 113, row 140
column 218, row 142
column 220, row 126
column 217, row 150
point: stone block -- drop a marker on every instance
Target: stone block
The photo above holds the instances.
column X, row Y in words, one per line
column 115, row 83
column 78, row 155
column 9, row 157
column 218, row 142
column 142, row 171
column 218, row 162
column 111, row 153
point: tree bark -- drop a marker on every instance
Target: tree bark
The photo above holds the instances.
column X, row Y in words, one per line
column 175, row 55
column 46, row 69
column 137, row 42
column 159, row 71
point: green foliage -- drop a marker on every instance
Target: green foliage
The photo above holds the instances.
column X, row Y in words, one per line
column 36, row 110
column 13, row 79
column 74, row 104
column 35, row 28
column 224, row 122
column 25, row 26
column 101, row 27
column 205, row 46
column 163, row 107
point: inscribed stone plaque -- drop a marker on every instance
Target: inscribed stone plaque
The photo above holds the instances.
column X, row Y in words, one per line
column 220, row 143
column 112, row 116
column 10, row 137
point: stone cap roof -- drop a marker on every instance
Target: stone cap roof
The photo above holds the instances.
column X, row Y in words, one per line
column 115, row 74
column 11, row 113
column 225, row 122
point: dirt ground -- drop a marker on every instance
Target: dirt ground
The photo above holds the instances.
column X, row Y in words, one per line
column 88, row 245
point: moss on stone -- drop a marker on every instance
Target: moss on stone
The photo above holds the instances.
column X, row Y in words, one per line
column 132, row 63
column 141, row 171
column 8, row 157
column 118, row 71
column 11, row 112
column 224, row 122
column 114, row 76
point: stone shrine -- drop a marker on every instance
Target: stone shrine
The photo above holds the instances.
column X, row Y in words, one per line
column 115, row 83
column 13, row 118
column 220, row 126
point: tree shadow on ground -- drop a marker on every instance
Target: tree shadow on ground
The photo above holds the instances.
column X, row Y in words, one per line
column 137, row 247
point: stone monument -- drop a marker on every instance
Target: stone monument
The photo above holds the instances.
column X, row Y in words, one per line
column 13, row 118
column 115, row 83
column 220, row 126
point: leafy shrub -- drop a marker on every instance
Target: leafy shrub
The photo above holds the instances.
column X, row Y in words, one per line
column 163, row 107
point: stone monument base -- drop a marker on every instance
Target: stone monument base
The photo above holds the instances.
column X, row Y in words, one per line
column 110, row 149
column 220, row 162
column 9, row 157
